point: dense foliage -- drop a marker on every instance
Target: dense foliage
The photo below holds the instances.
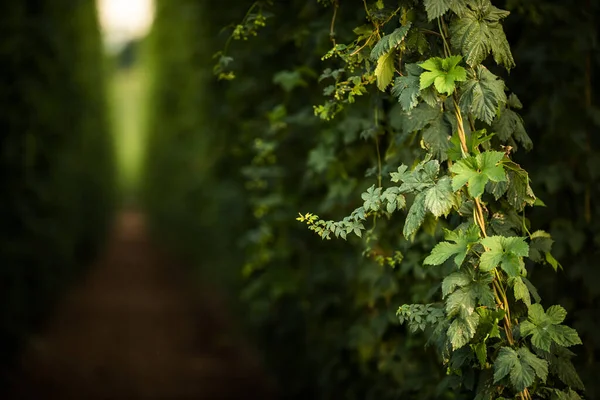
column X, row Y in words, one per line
column 359, row 111
column 56, row 157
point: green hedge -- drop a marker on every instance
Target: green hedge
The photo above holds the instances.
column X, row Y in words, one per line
column 56, row 157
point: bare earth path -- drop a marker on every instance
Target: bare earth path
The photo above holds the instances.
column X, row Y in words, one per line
column 129, row 331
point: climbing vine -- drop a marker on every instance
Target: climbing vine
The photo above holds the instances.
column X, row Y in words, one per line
column 437, row 130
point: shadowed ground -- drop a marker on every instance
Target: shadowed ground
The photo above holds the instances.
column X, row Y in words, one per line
column 129, row 331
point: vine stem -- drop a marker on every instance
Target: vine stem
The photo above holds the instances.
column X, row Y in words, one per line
column 499, row 292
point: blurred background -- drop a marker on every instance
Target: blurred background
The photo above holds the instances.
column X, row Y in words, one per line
column 136, row 184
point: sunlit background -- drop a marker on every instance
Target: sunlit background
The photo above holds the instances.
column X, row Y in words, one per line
column 124, row 20
column 125, row 24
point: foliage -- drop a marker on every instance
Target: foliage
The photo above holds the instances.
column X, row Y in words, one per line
column 328, row 112
column 56, row 157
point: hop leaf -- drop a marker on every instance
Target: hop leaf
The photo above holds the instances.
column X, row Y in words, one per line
column 522, row 366
column 389, row 42
column 504, row 251
column 478, row 32
column 384, row 70
column 406, row 88
column 545, row 329
column 482, row 94
column 477, row 171
column 437, row 8
column 458, row 245
column 443, row 73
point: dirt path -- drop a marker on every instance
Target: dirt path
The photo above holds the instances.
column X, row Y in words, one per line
column 130, row 332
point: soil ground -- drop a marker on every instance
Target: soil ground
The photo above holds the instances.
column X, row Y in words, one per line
column 133, row 330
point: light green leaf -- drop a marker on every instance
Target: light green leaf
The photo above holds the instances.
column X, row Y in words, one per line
column 476, row 171
column 504, row 251
column 385, row 70
column 462, row 240
column 442, row 73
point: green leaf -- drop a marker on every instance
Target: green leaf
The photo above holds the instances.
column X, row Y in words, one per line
column 415, row 216
column 372, row 199
column 521, row 291
column 389, row 42
column 416, row 40
column 519, row 193
column 522, row 366
column 462, row 240
column 567, row 394
column 419, row 117
column 540, row 244
column 480, row 350
column 478, row 32
column 482, row 94
column 385, row 70
column 406, row 89
column 436, row 8
column 439, row 198
column 462, row 330
column 509, row 125
column 436, row 136
column 544, row 328
column 476, row 171
column 463, row 301
column 455, row 279
column 442, row 73
column 504, row 251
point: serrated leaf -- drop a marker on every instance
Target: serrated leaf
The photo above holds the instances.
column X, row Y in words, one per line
column 406, row 89
column 415, row 216
column 453, row 281
column 442, row 73
column 478, row 32
column 522, row 366
column 417, row 41
column 482, row 94
column 509, row 125
column 462, row 240
column 419, row 117
column 567, row 394
column 543, row 330
column 385, row 70
column 436, row 8
column 540, row 244
column 436, row 135
column 504, row 251
column 519, row 193
column 462, row 330
column 439, row 198
column 521, row 291
column 389, row 42
column 476, row 171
